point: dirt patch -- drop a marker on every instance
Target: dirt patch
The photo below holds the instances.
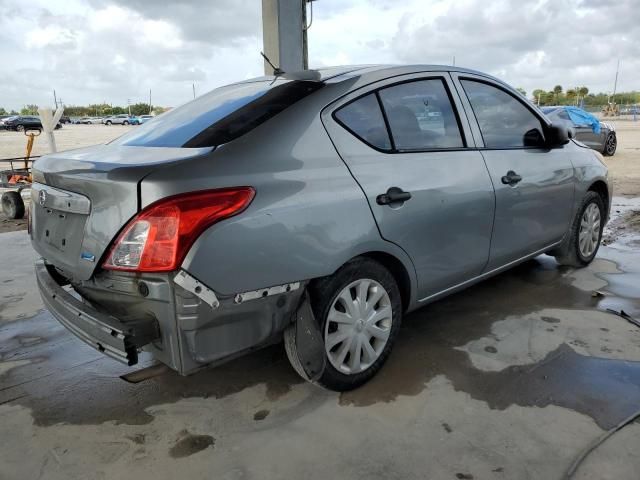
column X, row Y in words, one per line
column 8, row 225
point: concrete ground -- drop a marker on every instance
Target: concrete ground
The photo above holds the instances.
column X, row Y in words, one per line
column 510, row 379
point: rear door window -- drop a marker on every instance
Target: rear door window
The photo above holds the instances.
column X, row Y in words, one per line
column 364, row 119
column 421, row 116
column 503, row 120
column 221, row 115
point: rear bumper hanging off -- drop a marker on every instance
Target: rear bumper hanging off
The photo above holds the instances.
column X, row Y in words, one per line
column 103, row 332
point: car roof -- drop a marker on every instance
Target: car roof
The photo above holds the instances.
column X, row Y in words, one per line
column 374, row 72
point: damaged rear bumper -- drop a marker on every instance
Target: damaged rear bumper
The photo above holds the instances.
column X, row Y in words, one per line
column 103, row 332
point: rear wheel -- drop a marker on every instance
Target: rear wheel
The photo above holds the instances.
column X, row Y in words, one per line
column 125, row 123
column 610, row 145
column 20, row 128
column 360, row 311
column 12, row 205
column 583, row 240
column 108, row 122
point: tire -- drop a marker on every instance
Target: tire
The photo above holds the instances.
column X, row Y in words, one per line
column 108, row 122
column 570, row 252
column 610, row 145
column 325, row 300
column 125, row 123
column 12, row 205
column 19, row 128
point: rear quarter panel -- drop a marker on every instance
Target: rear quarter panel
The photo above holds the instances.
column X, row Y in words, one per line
column 308, row 217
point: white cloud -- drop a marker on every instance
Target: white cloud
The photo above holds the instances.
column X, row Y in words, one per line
column 95, row 50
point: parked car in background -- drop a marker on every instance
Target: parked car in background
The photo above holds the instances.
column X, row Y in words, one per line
column 20, row 123
column 588, row 128
column 2, row 119
column 145, row 118
column 632, row 110
column 89, row 120
column 117, row 120
column 64, row 119
column 133, row 120
column 318, row 207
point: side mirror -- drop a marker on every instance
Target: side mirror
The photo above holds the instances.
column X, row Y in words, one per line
column 558, row 135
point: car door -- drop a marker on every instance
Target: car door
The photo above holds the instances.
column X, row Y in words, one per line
column 412, row 153
column 534, row 184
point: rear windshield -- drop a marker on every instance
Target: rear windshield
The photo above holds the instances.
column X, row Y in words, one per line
column 220, row 116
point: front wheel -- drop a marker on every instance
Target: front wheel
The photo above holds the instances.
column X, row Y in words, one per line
column 125, row 123
column 610, row 145
column 108, row 123
column 20, row 128
column 583, row 239
column 360, row 310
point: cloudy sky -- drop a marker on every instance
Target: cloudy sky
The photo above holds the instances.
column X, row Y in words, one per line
column 113, row 50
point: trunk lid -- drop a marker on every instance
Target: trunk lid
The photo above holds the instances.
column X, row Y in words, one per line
column 82, row 198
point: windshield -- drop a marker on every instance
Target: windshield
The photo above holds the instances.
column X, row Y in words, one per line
column 219, row 116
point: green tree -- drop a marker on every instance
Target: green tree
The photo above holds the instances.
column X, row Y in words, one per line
column 571, row 95
column 13, row 112
column 3, row 111
column 538, row 93
column 118, row 110
column 140, row 109
column 522, row 91
column 29, row 110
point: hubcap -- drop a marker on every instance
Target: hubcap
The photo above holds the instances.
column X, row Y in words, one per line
column 358, row 326
column 589, row 235
column 611, row 144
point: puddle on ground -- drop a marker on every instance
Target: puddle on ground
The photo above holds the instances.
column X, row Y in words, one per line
column 65, row 381
column 188, row 444
column 86, row 385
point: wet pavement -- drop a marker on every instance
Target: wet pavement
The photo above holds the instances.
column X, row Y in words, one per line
column 508, row 379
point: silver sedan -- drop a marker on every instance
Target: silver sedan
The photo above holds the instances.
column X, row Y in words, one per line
column 317, row 207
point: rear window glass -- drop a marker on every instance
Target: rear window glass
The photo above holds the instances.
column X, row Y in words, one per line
column 220, row 116
column 364, row 119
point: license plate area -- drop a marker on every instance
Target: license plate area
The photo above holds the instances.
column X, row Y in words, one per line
column 61, row 229
column 58, row 220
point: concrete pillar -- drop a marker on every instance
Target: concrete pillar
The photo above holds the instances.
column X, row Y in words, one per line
column 283, row 34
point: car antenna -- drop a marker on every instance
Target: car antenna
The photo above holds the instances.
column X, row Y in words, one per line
column 276, row 70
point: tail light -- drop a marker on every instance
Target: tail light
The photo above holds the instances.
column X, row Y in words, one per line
column 159, row 237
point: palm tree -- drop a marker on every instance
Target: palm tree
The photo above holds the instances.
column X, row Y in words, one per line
column 583, row 91
column 557, row 91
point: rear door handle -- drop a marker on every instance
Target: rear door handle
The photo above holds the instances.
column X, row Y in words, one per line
column 393, row 195
column 511, row 178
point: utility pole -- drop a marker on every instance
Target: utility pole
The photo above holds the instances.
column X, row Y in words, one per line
column 149, row 101
column 284, row 34
column 454, row 60
column 615, row 83
column 193, row 87
column 129, row 104
column 55, row 100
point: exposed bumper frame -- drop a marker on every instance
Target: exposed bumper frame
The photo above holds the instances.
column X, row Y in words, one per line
column 103, row 332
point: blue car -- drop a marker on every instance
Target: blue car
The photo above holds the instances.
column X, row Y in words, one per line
column 588, row 129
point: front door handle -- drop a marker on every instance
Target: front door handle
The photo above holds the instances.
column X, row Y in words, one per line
column 511, row 178
column 393, row 195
